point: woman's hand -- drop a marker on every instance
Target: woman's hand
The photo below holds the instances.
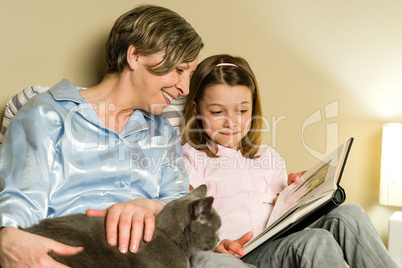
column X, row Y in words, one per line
column 22, row 249
column 234, row 247
column 295, row 177
column 127, row 222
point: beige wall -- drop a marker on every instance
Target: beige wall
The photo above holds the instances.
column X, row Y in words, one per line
column 307, row 55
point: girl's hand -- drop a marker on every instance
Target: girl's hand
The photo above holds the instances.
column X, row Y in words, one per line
column 22, row 249
column 130, row 220
column 295, row 177
column 227, row 246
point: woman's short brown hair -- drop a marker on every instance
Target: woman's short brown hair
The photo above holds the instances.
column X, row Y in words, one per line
column 210, row 72
column 152, row 29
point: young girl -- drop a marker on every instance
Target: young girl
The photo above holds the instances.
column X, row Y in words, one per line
column 222, row 149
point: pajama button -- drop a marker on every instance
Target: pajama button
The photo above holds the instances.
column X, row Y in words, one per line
column 123, row 184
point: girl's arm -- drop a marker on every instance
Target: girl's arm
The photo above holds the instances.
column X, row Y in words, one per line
column 235, row 247
column 295, row 177
column 292, row 177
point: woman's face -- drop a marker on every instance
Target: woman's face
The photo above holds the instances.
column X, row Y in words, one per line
column 158, row 91
column 226, row 113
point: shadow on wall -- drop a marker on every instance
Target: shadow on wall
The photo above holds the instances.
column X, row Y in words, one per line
column 89, row 59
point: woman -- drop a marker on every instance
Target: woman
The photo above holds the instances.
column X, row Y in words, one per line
column 103, row 150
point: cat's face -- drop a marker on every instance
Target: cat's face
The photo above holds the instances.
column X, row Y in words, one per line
column 205, row 224
column 192, row 220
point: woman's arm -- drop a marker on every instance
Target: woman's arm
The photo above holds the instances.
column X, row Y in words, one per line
column 127, row 222
column 130, row 220
column 26, row 157
column 22, row 249
column 174, row 181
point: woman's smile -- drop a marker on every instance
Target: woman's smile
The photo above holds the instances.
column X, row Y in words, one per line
column 168, row 97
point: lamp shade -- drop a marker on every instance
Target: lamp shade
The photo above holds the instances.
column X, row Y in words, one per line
column 391, row 165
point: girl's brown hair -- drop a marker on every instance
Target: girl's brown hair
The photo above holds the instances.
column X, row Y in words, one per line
column 209, row 72
column 151, row 29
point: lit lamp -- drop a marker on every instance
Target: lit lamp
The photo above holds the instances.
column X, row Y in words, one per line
column 391, row 185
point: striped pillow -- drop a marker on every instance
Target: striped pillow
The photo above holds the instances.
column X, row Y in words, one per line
column 174, row 112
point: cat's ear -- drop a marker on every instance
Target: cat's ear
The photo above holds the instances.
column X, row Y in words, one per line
column 202, row 208
column 200, row 191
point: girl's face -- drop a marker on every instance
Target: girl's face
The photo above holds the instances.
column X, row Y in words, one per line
column 226, row 113
column 158, row 91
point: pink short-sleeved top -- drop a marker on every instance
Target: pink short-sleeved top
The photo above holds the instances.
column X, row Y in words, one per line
column 244, row 189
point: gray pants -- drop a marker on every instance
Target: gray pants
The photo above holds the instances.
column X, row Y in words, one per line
column 345, row 234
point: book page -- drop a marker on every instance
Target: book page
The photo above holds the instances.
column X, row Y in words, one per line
column 308, row 190
column 286, row 219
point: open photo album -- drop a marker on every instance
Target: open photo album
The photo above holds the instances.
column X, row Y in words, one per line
column 303, row 203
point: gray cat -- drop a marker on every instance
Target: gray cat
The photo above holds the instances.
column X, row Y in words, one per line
column 183, row 227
